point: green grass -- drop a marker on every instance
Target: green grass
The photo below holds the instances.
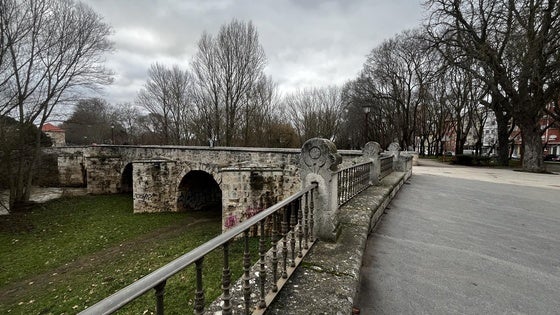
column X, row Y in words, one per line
column 68, row 254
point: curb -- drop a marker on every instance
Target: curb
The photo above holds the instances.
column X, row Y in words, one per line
column 328, row 279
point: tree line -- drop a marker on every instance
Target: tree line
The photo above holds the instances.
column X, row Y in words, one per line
column 468, row 59
column 223, row 98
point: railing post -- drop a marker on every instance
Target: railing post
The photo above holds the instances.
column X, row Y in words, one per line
column 394, row 150
column 300, row 227
column 371, row 153
column 293, row 234
column 262, row 270
column 285, row 243
column 160, row 291
column 319, row 162
column 199, row 295
column 246, row 272
column 306, row 221
column 274, row 252
column 226, row 282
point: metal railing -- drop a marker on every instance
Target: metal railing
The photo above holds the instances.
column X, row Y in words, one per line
column 386, row 167
column 290, row 232
column 352, row 180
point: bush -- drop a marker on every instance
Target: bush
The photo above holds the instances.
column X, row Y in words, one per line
column 471, row 160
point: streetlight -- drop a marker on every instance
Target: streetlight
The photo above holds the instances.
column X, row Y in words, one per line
column 112, row 133
column 366, row 109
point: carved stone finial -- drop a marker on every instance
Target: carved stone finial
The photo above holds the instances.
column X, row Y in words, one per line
column 319, row 162
column 318, row 153
column 371, row 149
column 394, row 146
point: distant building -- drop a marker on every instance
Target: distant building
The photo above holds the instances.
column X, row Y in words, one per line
column 550, row 137
column 57, row 135
column 490, row 134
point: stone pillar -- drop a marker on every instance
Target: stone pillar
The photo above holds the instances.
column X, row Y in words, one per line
column 414, row 156
column 394, row 150
column 319, row 162
column 154, row 186
column 371, row 153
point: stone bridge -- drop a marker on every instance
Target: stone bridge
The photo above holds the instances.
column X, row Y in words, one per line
column 240, row 181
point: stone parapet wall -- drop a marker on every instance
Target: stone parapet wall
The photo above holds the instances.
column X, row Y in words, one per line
column 71, row 165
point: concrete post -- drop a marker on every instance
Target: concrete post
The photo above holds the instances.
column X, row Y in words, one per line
column 371, row 153
column 319, row 162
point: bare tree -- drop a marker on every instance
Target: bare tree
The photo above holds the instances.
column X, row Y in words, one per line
column 90, row 122
column 260, row 113
column 316, row 112
column 53, row 51
column 168, row 96
column 516, row 44
column 399, row 72
column 227, row 68
column 465, row 93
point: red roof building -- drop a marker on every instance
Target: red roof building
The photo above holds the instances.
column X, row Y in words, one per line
column 57, row 135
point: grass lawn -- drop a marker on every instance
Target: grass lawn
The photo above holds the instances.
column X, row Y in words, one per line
column 69, row 253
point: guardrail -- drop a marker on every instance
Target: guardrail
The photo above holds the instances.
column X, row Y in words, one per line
column 352, row 180
column 290, row 222
column 386, row 167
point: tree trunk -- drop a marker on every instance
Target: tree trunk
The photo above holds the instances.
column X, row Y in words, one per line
column 532, row 146
column 503, row 137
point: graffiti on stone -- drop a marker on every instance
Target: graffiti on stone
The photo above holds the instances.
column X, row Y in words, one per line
column 143, row 196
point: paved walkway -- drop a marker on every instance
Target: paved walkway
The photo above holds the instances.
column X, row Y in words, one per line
column 461, row 240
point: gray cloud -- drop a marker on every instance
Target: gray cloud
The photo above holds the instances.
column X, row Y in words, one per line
column 308, row 43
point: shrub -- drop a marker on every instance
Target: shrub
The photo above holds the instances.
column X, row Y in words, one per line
column 471, row 160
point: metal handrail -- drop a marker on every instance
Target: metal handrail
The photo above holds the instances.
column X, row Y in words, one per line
column 126, row 295
column 386, row 166
column 352, row 180
column 353, row 165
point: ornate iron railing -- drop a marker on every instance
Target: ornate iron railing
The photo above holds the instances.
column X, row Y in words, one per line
column 386, row 167
column 352, row 180
column 290, row 232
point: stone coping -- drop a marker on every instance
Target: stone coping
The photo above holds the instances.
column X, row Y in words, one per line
column 327, row 280
column 205, row 148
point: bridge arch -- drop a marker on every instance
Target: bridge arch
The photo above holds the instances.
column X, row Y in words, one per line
column 199, row 191
column 126, row 186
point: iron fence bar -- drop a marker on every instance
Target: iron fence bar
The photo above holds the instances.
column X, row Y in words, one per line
column 311, row 210
column 300, row 227
column 199, row 294
column 226, row 282
column 274, row 241
column 339, row 191
column 293, row 234
column 160, row 291
column 262, row 270
column 284, row 243
column 246, row 272
column 305, row 221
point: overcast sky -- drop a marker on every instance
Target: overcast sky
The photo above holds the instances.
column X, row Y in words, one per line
column 307, row 42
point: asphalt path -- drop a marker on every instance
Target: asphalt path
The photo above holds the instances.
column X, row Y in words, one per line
column 460, row 240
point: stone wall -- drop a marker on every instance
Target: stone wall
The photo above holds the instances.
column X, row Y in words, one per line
column 153, row 191
column 71, row 165
column 249, row 190
column 250, row 179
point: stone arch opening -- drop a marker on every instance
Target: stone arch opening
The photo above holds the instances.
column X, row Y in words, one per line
column 198, row 191
column 126, row 180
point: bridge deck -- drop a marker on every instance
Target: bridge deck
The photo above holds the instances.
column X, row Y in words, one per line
column 464, row 240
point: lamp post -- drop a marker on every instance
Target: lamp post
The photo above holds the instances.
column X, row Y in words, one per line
column 112, row 133
column 366, row 109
